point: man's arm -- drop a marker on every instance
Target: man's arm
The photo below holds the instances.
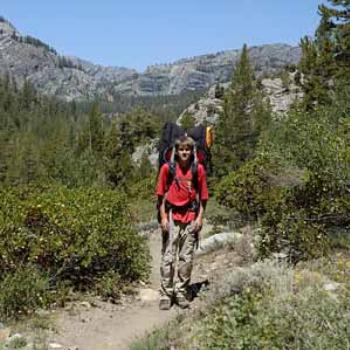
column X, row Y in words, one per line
column 198, row 223
column 164, row 223
column 161, row 193
column 203, row 197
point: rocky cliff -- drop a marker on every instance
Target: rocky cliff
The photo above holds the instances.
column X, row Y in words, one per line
column 280, row 96
column 24, row 57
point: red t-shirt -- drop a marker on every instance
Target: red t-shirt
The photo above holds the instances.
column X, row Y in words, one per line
column 181, row 191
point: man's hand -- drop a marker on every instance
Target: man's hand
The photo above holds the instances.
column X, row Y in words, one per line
column 164, row 224
column 197, row 224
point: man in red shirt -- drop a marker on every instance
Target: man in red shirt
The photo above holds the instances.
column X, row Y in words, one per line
column 182, row 203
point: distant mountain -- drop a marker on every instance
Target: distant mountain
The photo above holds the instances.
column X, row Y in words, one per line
column 25, row 57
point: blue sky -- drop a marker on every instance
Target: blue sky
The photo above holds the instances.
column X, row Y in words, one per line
column 136, row 33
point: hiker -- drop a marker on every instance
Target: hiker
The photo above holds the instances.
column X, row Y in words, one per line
column 182, row 202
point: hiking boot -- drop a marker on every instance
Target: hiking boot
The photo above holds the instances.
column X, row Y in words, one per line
column 164, row 303
column 182, row 301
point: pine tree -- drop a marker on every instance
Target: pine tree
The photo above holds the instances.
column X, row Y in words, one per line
column 315, row 78
column 187, row 121
column 245, row 115
column 92, row 135
column 28, row 96
column 325, row 60
column 96, row 132
column 118, row 163
column 335, row 23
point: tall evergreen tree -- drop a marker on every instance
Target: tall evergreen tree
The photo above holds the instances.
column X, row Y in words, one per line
column 336, row 20
column 315, row 77
column 244, row 117
column 92, row 136
column 325, row 60
column 118, row 163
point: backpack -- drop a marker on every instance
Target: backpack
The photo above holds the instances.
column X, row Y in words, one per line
column 203, row 137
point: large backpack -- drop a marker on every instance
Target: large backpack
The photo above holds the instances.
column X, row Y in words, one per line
column 203, row 137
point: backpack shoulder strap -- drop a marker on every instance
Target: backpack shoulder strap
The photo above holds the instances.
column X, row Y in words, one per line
column 194, row 169
column 172, row 168
column 171, row 173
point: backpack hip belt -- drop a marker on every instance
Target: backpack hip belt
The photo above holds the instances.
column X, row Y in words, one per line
column 191, row 206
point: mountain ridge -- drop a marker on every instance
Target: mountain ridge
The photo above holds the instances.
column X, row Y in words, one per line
column 69, row 77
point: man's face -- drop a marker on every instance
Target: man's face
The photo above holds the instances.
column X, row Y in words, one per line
column 184, row 153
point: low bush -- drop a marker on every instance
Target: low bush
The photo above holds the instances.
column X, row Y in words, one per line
column 250, row 191
column 74, row 237
column 264, row 306
column 142, row 198
column 218, row 216
column 261, row 319
column 23, row 291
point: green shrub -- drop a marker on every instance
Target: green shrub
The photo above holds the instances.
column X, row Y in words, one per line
column 17, row 343
column 73, row 236
column 298, row 185
column 340, row 239
column 187, row 121
column 249, row 190
column 109, row 286
column 291, row 234
column 259, row 318
column 160, row 339
column 218, row 216
column 287, row 202
column 142, row 199
column 23, row 291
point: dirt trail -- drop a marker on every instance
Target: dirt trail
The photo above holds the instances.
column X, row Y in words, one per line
column 109, row 326
column 114, row 326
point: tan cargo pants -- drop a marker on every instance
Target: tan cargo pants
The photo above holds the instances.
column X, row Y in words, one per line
column 179, row 242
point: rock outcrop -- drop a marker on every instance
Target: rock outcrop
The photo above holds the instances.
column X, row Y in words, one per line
column 207, row 109
column 279, row 94
column 150, row 150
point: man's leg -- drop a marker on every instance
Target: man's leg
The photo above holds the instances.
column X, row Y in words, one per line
column 187, row 241
column 169, row 245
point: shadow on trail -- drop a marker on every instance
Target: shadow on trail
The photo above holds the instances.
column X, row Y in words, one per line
column 194, row 289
